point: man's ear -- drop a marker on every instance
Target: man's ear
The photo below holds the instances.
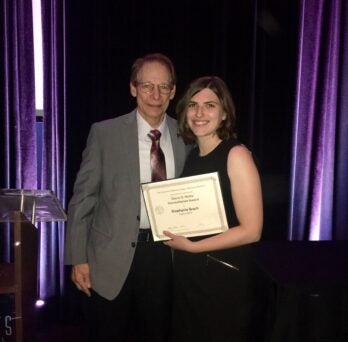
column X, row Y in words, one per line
column 172, row 93
column 133, row 89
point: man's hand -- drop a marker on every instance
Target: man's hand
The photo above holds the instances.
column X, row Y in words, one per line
column 81, row 278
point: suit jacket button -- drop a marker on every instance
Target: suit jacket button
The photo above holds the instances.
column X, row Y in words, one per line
column 133, row 244
column 138, row 218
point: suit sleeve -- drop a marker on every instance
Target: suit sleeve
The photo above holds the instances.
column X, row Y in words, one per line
column 82, row 204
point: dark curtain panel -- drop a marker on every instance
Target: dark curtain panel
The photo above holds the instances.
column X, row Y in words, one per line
column 274, row 93
column 319, row 164
column 53, row 172
column 105, row 37
column 18, row 157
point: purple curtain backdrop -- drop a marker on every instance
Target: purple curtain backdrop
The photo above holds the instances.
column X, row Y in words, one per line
column 53, row 172
column 340, row 222
column 17, row 100
column 320, row 163
column 18, row 96
column 18, row 135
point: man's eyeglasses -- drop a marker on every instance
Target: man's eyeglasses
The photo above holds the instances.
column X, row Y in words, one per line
column 148, row 87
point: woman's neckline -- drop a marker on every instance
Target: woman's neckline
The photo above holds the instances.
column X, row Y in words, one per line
column 210, row 150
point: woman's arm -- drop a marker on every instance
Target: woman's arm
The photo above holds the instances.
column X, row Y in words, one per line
column 247, row 198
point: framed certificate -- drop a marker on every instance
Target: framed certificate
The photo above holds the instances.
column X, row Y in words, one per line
column 188, row 206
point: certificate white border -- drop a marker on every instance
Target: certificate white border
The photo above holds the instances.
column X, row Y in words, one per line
column 163, row 213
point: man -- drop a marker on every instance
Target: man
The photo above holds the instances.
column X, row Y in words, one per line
column 125, row 275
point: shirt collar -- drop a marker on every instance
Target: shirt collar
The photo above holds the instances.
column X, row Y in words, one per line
column 144, row 128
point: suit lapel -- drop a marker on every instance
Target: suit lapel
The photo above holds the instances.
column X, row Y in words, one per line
column 129, row 136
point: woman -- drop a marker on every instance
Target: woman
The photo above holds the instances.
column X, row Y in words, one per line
column 211, row 299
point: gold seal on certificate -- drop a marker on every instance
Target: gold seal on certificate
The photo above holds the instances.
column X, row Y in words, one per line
column 188, row 206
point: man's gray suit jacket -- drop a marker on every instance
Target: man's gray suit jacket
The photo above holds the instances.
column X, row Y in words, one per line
column 104, row 211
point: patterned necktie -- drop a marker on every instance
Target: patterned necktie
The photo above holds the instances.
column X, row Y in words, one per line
column 157, row 159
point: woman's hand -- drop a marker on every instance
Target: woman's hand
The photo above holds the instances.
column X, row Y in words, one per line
column 179, row 242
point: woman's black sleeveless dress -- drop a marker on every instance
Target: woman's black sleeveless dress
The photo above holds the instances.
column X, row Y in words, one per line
column 211, row 299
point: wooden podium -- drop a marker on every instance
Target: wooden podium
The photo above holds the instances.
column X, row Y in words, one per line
column 19, row 278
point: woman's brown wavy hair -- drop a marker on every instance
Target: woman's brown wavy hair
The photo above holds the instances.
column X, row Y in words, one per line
column 219, row 87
